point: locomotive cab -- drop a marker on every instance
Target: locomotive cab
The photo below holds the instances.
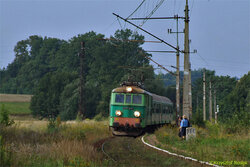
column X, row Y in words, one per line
column 127, row 109
column 132, row 109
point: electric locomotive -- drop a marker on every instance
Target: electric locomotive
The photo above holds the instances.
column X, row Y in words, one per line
column 133, row 109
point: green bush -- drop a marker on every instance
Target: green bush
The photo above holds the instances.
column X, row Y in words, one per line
column 4, row 117
column 54, row 125
column 98, row 117
column 239, row 122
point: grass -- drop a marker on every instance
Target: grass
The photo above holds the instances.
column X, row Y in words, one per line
column 17, row 108
column 211, row 144
column 32, row 144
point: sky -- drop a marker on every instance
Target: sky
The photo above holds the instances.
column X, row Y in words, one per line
column 219, row 29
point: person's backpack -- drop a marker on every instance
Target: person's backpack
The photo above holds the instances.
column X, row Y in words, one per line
column 189, row 125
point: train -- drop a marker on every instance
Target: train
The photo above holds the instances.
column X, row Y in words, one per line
column 134, row 110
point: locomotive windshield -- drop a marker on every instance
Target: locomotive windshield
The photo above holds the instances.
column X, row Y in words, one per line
column 136, row 99
column 119, row 98
column 128, row 98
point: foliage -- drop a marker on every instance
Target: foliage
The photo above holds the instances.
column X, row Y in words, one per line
column 69, row 101
column 49, row 67
column 170, row 79
column 197, row 118
column 46, row 100
column 54, row 125
column 4, row 117
column 56, row 93
column 235, row 106
column 223, row 85
column 98, row 117
column 5, row 155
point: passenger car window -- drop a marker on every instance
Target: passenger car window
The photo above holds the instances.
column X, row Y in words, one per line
column 137, row 99
column 128, row 98
column 119, row 98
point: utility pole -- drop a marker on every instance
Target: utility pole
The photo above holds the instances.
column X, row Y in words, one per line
column 214, row 101
column 81, row 106
column 190, row 92
column 204, row 95
column 210, row 101
column 177, row 81
column 177, row 66
column 186, row 91
column 216, row 114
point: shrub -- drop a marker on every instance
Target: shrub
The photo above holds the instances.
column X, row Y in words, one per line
column 54, row 125
column 98, row 117
column 4, row 117
column 239, row 122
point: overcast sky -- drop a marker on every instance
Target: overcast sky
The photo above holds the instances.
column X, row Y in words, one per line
column 219, row 29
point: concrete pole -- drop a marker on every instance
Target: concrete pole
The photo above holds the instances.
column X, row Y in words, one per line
column 178, row 84
column 186, row 104
column 190, row 92
column 177, row 73
column 204, row 95
column 216, row 116
column 214, row 102
column 210, row 102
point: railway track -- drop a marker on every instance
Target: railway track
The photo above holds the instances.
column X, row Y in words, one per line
column 105, row 153
column 129, row 151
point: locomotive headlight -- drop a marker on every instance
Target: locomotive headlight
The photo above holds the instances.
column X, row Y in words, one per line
column 129, row 89
column 137, row 114
column 118, row 113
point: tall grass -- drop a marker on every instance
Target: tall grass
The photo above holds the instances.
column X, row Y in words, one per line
column 212, row 143
column 72, row 142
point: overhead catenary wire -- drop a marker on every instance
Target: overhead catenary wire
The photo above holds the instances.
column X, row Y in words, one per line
column 136, row 9
column 158, row 64
column 148, row 33
column 113, row 39
column 152, row 12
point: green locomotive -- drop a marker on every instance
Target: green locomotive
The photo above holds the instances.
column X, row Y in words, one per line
column 133, row 109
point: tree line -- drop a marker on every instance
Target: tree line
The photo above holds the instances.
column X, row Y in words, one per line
column 49, row 68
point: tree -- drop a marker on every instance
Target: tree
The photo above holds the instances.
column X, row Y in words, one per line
column 46, row 101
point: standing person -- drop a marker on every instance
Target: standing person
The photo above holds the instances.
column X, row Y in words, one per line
column 183, row 126
column 179, row 124
column 179, row 120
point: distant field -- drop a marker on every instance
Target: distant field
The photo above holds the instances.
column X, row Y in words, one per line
column 16, row 104
column 17, row 108
column 15, row 98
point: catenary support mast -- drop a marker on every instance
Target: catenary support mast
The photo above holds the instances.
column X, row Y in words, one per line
column 177, row 73
column 186, row 90
column 204, row 95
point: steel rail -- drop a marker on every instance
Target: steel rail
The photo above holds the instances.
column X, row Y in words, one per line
column 177, row 155
column 106, row 152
